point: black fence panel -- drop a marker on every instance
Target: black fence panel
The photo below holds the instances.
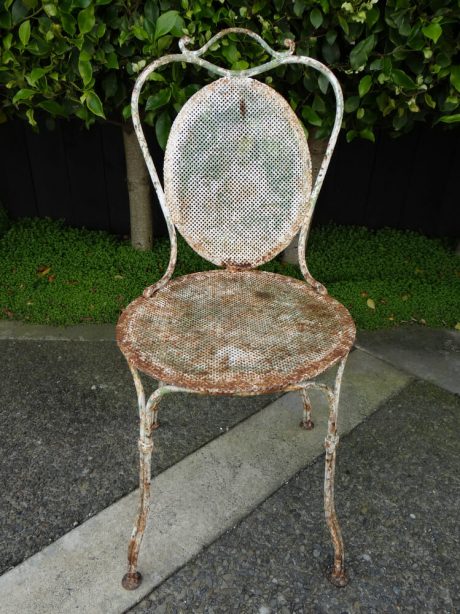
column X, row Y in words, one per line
column 79, row 175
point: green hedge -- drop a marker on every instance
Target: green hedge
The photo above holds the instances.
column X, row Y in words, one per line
column 398, row 60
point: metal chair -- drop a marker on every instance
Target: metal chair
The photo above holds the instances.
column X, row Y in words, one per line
column 237, row 186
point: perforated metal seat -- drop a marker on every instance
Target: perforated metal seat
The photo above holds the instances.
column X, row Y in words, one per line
column 238, row 187
column 224, row 332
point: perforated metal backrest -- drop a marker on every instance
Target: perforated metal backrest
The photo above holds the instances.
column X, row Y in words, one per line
column 237, row 172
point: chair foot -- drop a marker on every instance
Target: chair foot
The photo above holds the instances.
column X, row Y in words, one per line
column 131, row 581
column 308, row 425
column 338, row 579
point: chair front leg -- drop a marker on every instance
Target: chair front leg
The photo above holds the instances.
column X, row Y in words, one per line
column 336, row 574
column 148, row 420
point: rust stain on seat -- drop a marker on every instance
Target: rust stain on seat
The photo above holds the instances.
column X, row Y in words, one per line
column 235, row 332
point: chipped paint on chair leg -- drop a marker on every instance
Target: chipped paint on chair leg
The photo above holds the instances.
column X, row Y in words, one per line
column 147, row 413
column 306, row 422
column 155, row 421
column 336, row 574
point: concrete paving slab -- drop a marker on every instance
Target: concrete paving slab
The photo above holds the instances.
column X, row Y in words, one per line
column 432, row 354
column 10, row 329
column 397, row 497
column 193, row 502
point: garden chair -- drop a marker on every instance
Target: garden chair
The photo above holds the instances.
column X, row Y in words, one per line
column 237, row 186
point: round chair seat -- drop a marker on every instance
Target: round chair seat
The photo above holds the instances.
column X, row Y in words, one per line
column 227, row 332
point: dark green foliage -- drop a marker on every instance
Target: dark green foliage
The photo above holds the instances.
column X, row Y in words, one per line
column 5, row 221
column 58, row 275
column 398, row 61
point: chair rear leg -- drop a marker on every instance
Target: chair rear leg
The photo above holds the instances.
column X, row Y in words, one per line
column 337, row 574
column 306, row 422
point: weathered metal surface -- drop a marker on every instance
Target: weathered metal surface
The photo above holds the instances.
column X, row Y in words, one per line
column 147, row 424
column 337, row 574
column 236, row 332
column 279, row 58
column 306, row 422
column 237, row 173
column 185, row 41
column 225, row 332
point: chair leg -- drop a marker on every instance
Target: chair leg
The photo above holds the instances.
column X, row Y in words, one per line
column 147, row 414
column 306, row 422
column 337, row 574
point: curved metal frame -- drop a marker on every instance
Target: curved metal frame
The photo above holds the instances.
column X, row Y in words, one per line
column 148, row 416
column 148, row 410
column 279, row 58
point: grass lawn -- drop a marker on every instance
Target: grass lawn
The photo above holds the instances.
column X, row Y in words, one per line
column 52, row 274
